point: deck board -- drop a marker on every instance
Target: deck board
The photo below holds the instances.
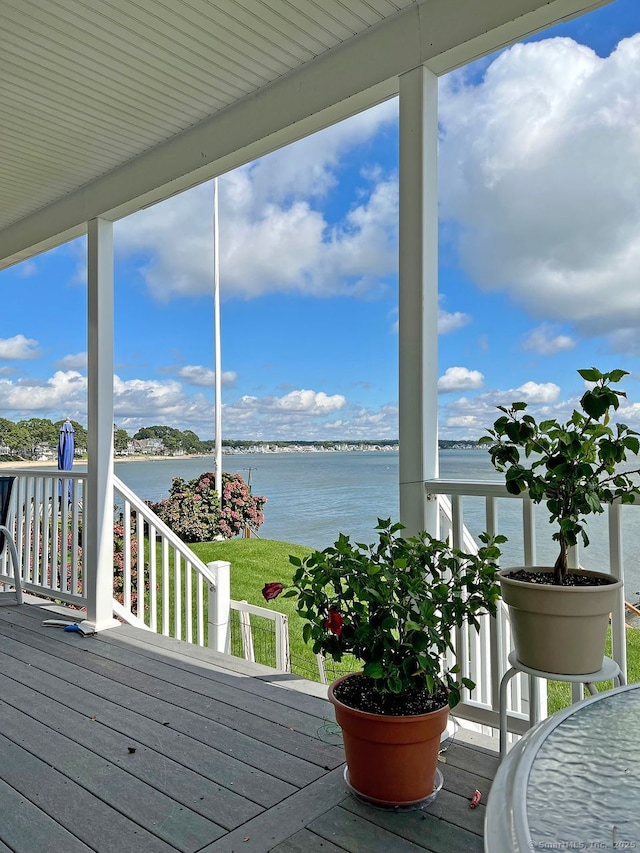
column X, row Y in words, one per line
column 228, row 756
column 291, row 732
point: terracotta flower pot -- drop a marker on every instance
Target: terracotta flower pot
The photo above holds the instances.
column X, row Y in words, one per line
column 390, row 760
column 559, row 628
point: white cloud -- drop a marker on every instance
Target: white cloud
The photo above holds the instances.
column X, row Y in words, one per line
column 197, row 374
column 540, row 175
column 450, row 322
column 460, row 379
column 307, row 415
column 18, row 347
column 272, row 237
column 467, row 417
column 302, row 402
column 75, row 361
column 536, row 392
column 544, row 340
column 301, row 413
column 27, row 268
column 625, row 341
column 65, row 393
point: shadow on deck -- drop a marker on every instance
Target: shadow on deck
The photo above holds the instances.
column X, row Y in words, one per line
column 134, row 742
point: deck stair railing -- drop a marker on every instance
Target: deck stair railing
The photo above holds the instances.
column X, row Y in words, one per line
column 162, row 584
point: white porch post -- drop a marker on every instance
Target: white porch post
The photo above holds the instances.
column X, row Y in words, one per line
column 418, row 298
column 98, row 497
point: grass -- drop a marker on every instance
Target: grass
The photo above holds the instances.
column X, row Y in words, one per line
column 255, row 562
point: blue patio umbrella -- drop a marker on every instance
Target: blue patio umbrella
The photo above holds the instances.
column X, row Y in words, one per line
column 65, row 451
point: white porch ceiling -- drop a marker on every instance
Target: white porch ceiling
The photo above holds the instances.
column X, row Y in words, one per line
column 110, row 105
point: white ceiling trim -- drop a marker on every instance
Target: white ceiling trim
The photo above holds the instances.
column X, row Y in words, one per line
column 346, row 79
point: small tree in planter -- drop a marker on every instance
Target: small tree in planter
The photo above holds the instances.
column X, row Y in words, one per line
column 393, row 606
column 559, row 618
column 573, row 466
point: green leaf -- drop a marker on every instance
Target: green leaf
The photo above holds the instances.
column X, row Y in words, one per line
column 616, row 375
column 374, row 669
column 590, row 374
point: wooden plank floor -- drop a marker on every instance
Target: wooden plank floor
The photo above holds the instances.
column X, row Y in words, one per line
column 127, row 741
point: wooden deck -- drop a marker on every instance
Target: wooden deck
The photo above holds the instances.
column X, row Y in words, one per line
column 131, row 742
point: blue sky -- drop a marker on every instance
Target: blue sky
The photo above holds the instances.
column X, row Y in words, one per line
column 539, row 265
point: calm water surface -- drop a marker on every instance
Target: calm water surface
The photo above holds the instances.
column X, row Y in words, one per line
column 311, row 497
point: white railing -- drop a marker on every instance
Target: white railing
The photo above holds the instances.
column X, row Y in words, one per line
column 279, row 656
column 483, row 656
column 45, row 518
column 159, row 582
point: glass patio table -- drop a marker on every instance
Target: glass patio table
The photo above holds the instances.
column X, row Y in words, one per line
column 572, row 782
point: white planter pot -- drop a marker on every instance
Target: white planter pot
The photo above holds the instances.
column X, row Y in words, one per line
column 559, row 628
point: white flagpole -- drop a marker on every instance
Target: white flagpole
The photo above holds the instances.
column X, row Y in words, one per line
column 216, row 344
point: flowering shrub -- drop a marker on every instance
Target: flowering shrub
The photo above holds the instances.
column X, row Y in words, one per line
column 239, row 506
column 193, row 510
column 393, row 606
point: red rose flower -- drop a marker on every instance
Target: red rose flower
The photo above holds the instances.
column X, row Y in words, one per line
column 334, row 621
column 272, row 590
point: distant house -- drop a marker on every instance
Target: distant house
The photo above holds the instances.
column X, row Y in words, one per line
column 147, row 446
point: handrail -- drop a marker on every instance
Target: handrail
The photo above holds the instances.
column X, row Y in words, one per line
column 161, row 581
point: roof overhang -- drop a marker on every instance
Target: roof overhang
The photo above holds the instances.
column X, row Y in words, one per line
column 353, row 74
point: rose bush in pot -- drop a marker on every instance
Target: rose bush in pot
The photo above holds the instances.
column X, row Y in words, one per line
column 393, row 607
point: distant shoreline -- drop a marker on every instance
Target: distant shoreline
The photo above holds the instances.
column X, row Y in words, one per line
column 51, row 463
column 292, row 448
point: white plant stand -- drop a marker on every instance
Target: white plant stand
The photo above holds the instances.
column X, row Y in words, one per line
column 609, row 671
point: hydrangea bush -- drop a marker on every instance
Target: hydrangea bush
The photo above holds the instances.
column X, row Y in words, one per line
column 194, row 513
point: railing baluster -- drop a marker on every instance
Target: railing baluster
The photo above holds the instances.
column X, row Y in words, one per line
column 529, row 532
column 153, row 580
column 140, row 565
column 165, row 587
column 126, row 555
column 75, row 527
column 177, row 595
column 188, row 604
column 200, row 607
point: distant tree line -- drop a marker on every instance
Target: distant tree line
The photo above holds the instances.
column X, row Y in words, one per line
column 27, row 439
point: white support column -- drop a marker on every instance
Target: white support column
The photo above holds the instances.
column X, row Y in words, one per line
column 98, row 497
column 418, row 298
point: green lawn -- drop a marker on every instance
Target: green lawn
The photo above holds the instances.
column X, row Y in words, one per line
column 255, row 562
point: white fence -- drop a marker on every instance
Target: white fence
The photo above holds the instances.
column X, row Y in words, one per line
column 45, row 518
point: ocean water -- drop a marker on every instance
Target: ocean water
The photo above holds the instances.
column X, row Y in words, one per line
column 311, row 497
